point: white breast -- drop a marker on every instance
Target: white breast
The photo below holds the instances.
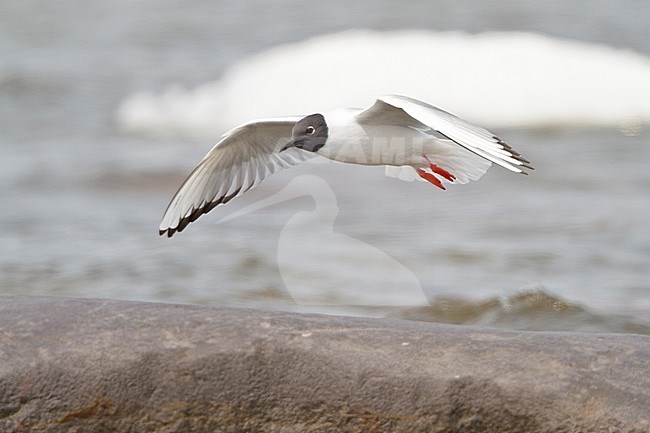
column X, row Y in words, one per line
column 350, row 142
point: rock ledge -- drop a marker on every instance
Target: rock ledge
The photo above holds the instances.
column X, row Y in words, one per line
column 80, row 365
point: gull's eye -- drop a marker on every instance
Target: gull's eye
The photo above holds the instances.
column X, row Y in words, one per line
column 310, row 130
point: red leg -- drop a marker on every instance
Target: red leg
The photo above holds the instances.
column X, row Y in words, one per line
column 430, row 178
column 442, row 172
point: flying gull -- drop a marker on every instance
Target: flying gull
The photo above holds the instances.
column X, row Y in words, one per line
column 411, row 138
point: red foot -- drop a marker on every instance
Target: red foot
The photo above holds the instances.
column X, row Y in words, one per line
column 431, row 178
column 442, row 172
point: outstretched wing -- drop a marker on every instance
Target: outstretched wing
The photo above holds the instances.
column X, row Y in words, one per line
column 238, row 162
column 402, row 110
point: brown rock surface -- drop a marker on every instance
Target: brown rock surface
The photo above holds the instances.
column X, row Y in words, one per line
column 74, row 365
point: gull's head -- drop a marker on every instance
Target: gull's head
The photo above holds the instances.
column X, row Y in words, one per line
column 310, row 133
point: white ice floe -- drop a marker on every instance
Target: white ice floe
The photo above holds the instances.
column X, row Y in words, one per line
column 495, row 79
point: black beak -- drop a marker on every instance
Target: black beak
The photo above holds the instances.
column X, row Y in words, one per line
column 287, row 146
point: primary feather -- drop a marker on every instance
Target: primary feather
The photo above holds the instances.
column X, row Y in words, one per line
column 238, row 162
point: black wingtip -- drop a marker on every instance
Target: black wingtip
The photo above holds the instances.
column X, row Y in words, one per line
column 516, row 155
column 196, row 213
column 168, row 232
column 528, row 167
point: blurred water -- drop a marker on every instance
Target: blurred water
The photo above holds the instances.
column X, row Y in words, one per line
column 81, row 199
column 535, row 81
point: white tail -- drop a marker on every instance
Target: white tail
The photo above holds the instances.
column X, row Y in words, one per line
column 443, row 157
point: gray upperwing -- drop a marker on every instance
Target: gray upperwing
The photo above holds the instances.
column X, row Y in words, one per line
column 420, row 115
column 244, row 157
column 381, row 113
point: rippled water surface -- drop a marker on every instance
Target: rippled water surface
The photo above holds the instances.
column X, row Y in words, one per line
column 82, row 188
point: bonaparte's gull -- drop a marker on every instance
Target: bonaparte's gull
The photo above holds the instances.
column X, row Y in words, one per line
column 411, row 138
